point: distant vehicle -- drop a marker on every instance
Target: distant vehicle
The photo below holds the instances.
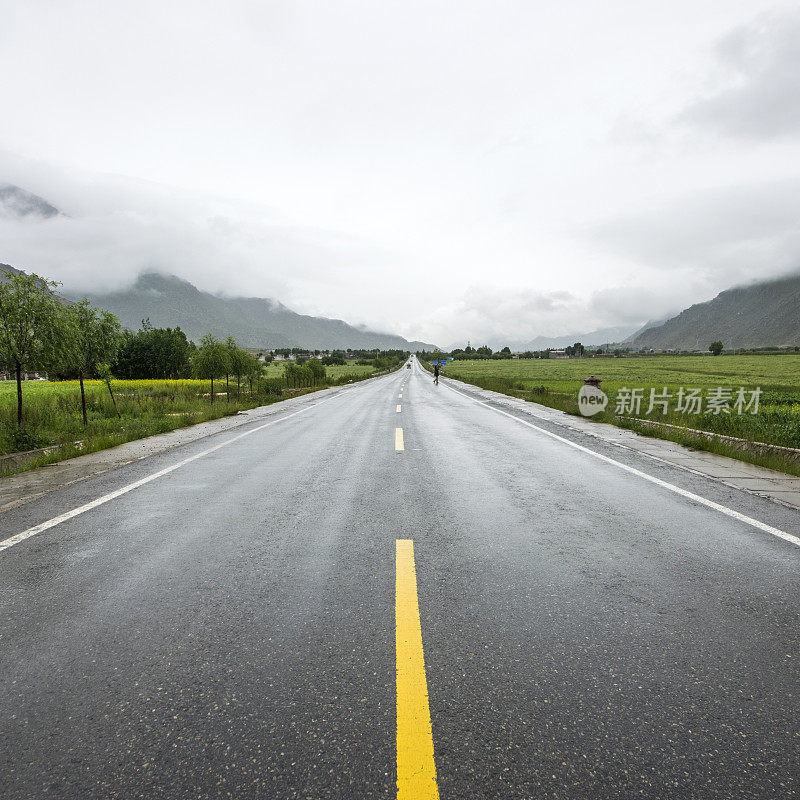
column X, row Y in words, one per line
column 408, row 366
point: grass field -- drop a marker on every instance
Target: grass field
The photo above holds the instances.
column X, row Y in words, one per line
column 334, row 371
column 52, row 410
column 778, row 373
column 555, row 382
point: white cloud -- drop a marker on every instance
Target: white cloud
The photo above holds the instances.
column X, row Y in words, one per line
column 730, row 233
column 761, row 67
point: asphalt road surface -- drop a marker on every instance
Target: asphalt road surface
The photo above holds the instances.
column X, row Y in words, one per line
column 247, row 624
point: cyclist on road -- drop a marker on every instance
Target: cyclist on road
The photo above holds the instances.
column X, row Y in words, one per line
column 436, row 374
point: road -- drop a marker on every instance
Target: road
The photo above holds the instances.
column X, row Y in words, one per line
column 247, row 624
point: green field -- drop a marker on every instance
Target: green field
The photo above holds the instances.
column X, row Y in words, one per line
column 555, row 382
column 334, row 371
column 778, row 373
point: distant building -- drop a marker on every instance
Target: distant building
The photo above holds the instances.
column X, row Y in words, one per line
column 26, row 376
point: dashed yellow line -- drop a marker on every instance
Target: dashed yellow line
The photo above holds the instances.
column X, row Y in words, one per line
column 399, row 408
column 416, row 767
column 398, row 439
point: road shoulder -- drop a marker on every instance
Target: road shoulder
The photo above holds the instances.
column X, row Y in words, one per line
column 760, row 481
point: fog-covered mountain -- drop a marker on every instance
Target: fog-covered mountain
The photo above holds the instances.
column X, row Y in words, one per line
column 18, row 203
column 761, row 315
column 598, row 337
column 253, row 321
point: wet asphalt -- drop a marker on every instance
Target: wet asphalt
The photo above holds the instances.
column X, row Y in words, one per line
column 227, row 630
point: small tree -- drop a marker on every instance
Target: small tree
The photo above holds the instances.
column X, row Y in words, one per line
column 92, row 339
column 29, row 321
column 237, row 359
column 317, row 369
column 715, row 348
column 104, row 371
column 253, row 369
column 298, row 375
column 211, row 360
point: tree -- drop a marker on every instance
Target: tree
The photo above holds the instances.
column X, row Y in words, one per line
column 317, row 371
column 104, row 371
column 298, row 375
column 162, row 353
column 239, row 361
column 715, row 348
column 29, row 321
column 211, row 360
column 252, row 369
column 92, row 337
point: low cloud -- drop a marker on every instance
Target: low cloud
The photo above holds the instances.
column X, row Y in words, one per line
column 112, row 229
column 723, row 236
column 761, row 68
column 495, row 316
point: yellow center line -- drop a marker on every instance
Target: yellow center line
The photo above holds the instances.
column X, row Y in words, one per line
column 416, row 767
column 399, row 407
column 398, row 439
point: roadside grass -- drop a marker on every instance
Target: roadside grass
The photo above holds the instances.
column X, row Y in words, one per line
column 555, row 383
column 696, row 442
column 52, row 410
column 52, row 414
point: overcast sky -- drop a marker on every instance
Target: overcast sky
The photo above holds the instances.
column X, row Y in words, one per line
column 444, row 170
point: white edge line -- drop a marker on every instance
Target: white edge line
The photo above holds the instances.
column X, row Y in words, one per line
column 633, row 471
column 51, row 523
column 650, row 457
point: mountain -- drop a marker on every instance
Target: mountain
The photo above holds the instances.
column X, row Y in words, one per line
column 169, row 301
column 600, row 336
column 18, row 203
column 760, row 315
column 7, row 271
column 646, row 327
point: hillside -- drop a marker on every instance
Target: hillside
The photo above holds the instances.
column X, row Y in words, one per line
column 252, row 321
column 18, row 203
column 761, row 315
